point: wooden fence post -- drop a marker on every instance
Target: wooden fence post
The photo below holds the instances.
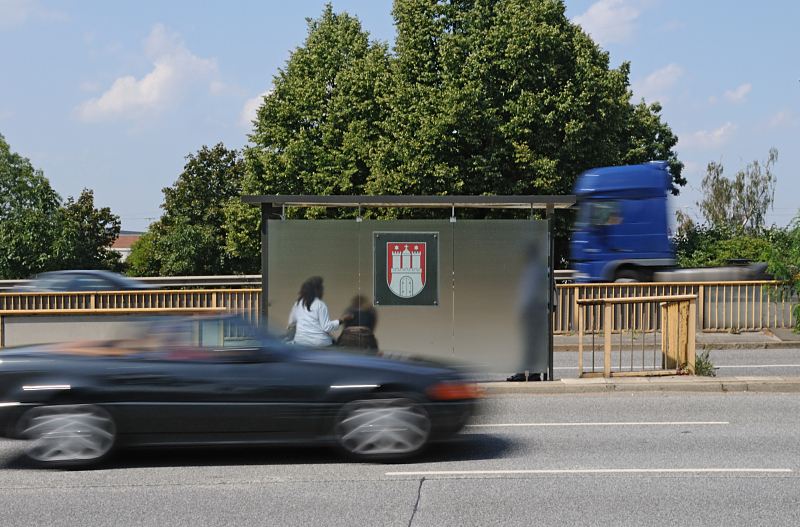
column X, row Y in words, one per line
column 682, row 355
column 701, row 299
column 673, row 326
column 580, row 339
column 608, row 315
column 691, row 339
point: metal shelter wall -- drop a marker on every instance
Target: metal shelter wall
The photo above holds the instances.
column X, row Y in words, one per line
column 491, row 309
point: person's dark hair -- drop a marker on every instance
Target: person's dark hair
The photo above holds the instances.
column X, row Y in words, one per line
column 310, row 290
column 360, row 302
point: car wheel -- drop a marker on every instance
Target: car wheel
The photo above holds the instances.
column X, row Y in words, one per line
column 382, row 429
column 68, row 434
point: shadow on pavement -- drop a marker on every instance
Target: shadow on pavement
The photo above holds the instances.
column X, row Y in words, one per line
column 468, row 447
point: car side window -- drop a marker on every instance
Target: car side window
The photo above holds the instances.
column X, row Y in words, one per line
column 92, row 283
column 203, row 340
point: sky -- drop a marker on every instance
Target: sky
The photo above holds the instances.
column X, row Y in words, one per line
column 112, row 96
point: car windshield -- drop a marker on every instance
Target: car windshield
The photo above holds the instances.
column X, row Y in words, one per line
column 55, row 282
column 128, row 283
column 216, row 339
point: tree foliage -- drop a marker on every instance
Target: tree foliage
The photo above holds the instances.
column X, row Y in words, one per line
column 28, row 215
column 739, row 204
column 86, row 235
column 733, row 220
column 189, row 238
column 784, row 264
column 477, row 97
column 703, row 246
column 38, row 233
column 505, row 97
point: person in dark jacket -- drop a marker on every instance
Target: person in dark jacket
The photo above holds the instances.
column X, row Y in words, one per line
column 359, row 329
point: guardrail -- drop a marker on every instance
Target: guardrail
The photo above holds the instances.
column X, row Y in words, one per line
column 669, row 320
column 223, row 281
column 175, row 282
column 243, row 301
column 721, row 306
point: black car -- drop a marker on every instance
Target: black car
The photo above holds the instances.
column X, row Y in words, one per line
column 89, row 280
column 216, row 380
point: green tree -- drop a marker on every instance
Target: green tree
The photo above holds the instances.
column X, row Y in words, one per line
column 316, row 129
column 506, row 97
column 739, row 204
column 38, row 233
column 478, row 97
column 28, row 216
column 189, row 238
column 86, row 235
column 784, row 264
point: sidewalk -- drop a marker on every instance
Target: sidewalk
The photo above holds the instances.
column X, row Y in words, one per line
column 680, row 383
column 769, row 339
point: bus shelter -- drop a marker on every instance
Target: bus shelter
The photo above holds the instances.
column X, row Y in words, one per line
column 474, row 291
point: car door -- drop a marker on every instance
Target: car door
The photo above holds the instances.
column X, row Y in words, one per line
column 259, row 389
column 212, row 379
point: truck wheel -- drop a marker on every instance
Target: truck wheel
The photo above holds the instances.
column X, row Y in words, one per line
column 627, row 276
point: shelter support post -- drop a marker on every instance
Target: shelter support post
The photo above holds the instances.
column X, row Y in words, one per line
column 551, row 289
column 266, row 211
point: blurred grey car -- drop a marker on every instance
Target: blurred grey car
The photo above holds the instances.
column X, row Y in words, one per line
column 79, row 280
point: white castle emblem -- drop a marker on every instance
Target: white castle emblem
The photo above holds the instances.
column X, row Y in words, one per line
column 407, row 268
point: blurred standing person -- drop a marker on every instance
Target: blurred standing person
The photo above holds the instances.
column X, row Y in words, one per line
column 310, row 318
column 359, row 330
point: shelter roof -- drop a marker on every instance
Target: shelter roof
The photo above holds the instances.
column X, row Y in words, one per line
column 444, row 202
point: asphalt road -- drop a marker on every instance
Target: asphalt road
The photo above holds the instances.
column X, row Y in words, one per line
column 606, row 459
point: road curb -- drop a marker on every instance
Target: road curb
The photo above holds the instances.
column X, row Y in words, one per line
column 662, row 384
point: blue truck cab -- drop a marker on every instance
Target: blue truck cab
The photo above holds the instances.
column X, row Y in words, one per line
column 622, row 229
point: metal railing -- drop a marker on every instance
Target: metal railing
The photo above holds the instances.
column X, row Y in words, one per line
column 246, row 302
column 175, row 282
column 665, row 345
column 721, row 306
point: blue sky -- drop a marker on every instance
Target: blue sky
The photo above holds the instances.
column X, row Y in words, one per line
column 113, row 95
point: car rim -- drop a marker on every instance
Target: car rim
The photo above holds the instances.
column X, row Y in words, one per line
column 383, row 427
column 69, row 433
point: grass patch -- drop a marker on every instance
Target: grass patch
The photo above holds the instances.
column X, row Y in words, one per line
column 703, row 365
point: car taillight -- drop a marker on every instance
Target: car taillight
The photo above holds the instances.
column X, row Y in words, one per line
column 453, row 391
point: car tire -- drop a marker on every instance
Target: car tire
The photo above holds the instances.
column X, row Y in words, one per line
column 68, row 435
column 388, row 427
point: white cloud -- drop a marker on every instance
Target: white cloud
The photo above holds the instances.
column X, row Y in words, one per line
column 14, row 13
column 609, row 21
column 708, row 139
column 250, row 108
column 738, row 94
column 175, row 69
column 655, row 86
column 217, row 87
column 782, row 118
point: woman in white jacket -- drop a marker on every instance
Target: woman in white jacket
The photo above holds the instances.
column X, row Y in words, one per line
column 313, row 325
